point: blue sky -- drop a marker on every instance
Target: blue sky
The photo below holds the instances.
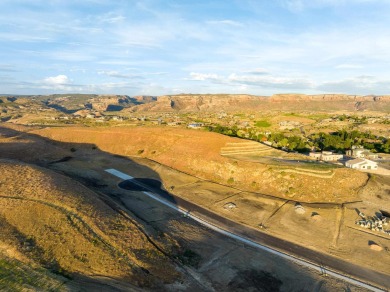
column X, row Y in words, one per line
column 183, row 46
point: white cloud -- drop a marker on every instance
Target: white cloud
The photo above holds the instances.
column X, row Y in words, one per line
column 357, row 85
column 349, row 66
column 156, row 89
column 81, row 55
column 257, row 71
column 7, row 68
column 203, row 77
column 300, row 5
column 117, row 74
column 110, row 18
column 225, row 22
column 21, row 37
column 271, row 81
column 58, row 83
column 57, row 80
column 254, row 80
column 364, row 84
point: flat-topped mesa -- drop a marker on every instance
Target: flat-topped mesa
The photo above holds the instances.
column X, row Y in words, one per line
column 246, row 102
column 328, row 97
column 102, row 103
column 204, row 102
column 117, row 102
column 210, row 98
column 144, row 98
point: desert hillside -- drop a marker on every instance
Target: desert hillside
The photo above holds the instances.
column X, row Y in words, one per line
column 284, row 102
column 81, row 104
column 199, row 153
column 61, row 225
column 65, row 224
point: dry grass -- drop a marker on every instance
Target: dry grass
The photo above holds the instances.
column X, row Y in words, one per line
column 74, row 231
column 79, row 233
column 198, row 153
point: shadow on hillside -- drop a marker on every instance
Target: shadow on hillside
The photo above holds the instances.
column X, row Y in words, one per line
column 147, row 185
column 62, row 109
column 45, row 152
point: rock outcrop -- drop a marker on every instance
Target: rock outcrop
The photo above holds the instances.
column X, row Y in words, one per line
column 245, row 102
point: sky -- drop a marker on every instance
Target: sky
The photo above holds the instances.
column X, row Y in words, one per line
column 157, row 47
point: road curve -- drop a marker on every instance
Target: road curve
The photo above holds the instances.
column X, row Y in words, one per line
column 323, row 263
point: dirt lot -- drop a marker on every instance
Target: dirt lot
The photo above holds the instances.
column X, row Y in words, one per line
column 324, row 232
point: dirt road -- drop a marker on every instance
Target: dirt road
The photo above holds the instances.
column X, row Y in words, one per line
column 336, row 267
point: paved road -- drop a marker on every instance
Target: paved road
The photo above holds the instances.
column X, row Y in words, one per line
column 324, row 263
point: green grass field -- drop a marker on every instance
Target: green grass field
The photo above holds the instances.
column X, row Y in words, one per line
column 262, row 124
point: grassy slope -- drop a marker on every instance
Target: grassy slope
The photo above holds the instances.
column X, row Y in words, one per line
column 198, row 153
column 72, row 231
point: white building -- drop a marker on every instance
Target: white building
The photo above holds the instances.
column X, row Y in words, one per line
column 362, row 164
column 362, row 153
column 326, row 156
column 195, row 125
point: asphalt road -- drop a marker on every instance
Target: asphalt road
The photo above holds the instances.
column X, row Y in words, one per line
column 333, row 266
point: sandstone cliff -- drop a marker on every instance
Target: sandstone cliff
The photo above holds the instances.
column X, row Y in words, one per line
column 245, row 102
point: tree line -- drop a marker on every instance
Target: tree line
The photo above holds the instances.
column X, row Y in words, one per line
column 339, row 141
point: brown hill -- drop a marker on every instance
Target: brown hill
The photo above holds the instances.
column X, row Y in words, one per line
column 198, row 153
column 66, row 228
column 205, row 102
column 328, row 97
column 52, row 221
column 244, row 102
column 208, row 102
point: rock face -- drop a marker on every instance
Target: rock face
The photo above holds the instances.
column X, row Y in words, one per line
column 210, row 102
column 104, row 103
column 207, row 102
column 328, row 97
column 234, row 102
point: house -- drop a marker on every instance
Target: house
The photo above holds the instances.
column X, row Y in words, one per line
column 330, row 156
column 362, row 163
column 316, row 155
column 116, row 118
column 362, row 153
column 326, row 156
column 195, row 125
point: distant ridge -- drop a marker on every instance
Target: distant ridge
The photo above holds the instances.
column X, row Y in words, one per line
column 70, row 103
column 285, row 102
column 329, row 97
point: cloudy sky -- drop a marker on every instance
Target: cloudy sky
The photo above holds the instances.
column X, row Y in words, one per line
column 183, row 46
